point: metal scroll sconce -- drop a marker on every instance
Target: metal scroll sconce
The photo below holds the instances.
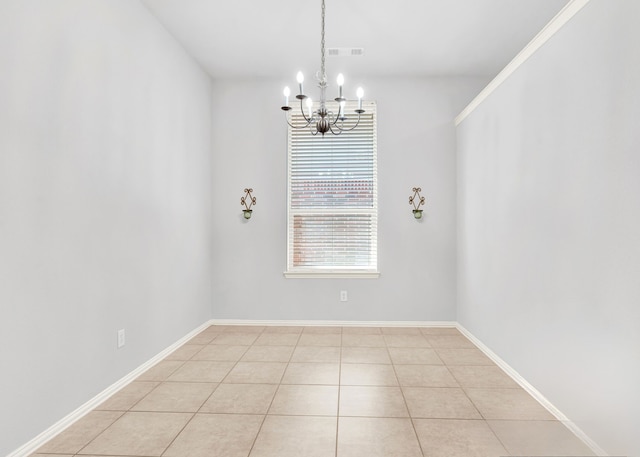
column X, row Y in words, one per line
column 416, row 200
column 248, row 201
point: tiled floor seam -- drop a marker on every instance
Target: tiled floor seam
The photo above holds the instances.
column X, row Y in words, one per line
column 406, row 405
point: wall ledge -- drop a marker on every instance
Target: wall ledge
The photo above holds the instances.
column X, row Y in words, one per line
column 540, row 39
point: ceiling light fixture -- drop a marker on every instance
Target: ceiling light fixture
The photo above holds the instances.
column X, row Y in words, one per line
column 322, row 120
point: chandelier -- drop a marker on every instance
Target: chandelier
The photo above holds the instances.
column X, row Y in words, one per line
column 321, row 120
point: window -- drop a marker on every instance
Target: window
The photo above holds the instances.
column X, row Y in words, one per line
column 333, row 204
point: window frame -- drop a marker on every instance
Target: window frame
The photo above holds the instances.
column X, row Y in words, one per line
column 336, row 271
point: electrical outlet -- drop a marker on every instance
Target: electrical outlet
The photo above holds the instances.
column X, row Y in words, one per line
column 121, row 339
column 343, row 295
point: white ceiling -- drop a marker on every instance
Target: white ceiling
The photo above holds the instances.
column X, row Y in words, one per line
column 274, row 39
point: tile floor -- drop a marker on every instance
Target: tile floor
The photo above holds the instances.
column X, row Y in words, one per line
column 238, row 391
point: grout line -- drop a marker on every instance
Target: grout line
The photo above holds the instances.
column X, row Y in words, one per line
column 406, row 405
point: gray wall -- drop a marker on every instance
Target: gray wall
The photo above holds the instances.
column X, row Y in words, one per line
column 105, row 207
column 416, row 147
column 549, row 222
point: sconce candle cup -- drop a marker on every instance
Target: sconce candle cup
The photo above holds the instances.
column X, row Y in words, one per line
column 247, row 201
column 416, row 200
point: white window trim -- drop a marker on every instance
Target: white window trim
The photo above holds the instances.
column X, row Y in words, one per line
column 329, row 273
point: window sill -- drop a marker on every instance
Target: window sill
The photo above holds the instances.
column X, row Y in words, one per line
column 332, row 274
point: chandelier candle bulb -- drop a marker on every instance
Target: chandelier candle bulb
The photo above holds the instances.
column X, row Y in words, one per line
column 287, row 92
column 360, row 94
column 340, row 83
column 310, row 106
column 300, row 79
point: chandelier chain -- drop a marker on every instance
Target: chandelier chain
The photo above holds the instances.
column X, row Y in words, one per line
column 322, row 119
column 323, row 75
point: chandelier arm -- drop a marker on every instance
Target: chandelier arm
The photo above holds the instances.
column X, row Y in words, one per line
column 339, row 130
column 349, row 129
column 293, row 126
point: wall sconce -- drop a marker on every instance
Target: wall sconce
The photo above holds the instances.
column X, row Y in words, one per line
column 248, row 201
column 416, row 200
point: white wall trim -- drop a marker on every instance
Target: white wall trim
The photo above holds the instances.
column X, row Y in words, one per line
column 319, row 323
column 57, row 428
column 541, row 38
column 533, row 392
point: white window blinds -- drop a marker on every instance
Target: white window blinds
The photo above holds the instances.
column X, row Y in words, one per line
column 333, row 204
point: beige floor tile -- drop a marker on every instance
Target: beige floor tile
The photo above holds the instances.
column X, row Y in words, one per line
column 372, row 401
column 213, row 435
column 361, row 331
column 268, row 354
column 514, row 404
column 235, row 339
column 316, row 354
column 425, row 376
column 185, row 352
column 80, row 433
column 240, row 399
column 201, row 371
column 139, row 434
column 320, row 339
column 457, row 438
column 539, row 438
column 440, row 331
column 179, row 397
column 363, row 341
column 221, row 353
column 284, row 329
column 244, row 329
column 202, row 338
column 277, row 339
column 160, row 371
column 463, row 356
column 439, row 403
column 482, row 376
column 296, row 436
column 312, row 373
column 321, row 329
column 376, row 437
column 406, row 356
column 52, row 455
column 299, row 400
column 256, row 373
column 367, row 374
column 365, row 355
column 450, row 341
column 401, row 331
column 219, row 328
column 406, row 341
column 128, row 396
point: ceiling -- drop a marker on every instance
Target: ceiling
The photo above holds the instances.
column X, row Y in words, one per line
column 250, row 39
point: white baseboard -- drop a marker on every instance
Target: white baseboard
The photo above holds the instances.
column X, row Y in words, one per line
column 31, row 446
column 306, row 323
column 534, row 392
